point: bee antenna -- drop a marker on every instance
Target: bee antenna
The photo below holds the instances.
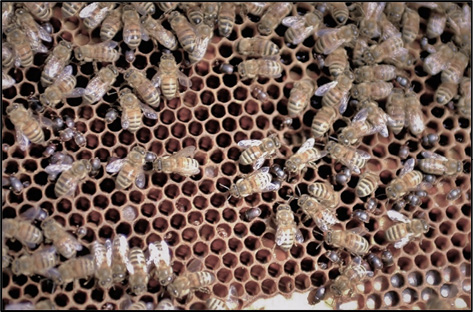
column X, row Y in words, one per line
column 224, row 186
column 333, row 138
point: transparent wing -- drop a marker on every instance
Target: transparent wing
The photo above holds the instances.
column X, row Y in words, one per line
column 125, row 120
column 408, row 167
column 109, row 251
column 115, row 166
column 184, row 80
column 307, row 145
column 294, row 21
column 303, row 33
column 22, row 139
column 43, row 34
column 429, row 154
column 298, row 235
column 101, row 14
column 88, row 10
column 279, row 236
column 397, row 216
column 415, row 122
column 195, row 265
column 343, row 103
column 148, row 111
column 325, row 31
column 324, row 89
column 403, row 242
column 259, row 162
column 144, row 34
column 383, row 130
column 185, row 152
column 249, row 143
column 271, row 187
column 264, row 170
column 140, row 180
column 8, row 82
column 361, row 116
column 55, row 169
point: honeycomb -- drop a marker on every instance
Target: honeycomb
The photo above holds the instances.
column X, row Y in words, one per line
column 193, row 214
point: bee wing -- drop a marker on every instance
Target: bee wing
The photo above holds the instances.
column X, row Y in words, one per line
column 156, row 254
column 382, row 129
column 408, row 167
column 279, row 236
column 55, row 169
column 249, row 143
column 109, row 251
column 144, row 34
column 77, row 92
column 397, row 216
column 298, row 235
column 415, row 122
column 22, row 139
column 67, row 71
column 271, row 187
column 115, row 166
column 403, row 242
column 140, row 180
column 8, row 82
column 259, row 162
column 399, row 53
column 429, row 154
column 125, row 120
column 264, row 170
column 189, row 151
column 88, row 10
column 325, row 31
column 148, row 111
column 195, row 265
column 343, row 103
column 361, row 116
column 294, row 21
column 183, row 79
column 20, row 306
column 307, row 145
column 156, row 80
column 363, row 154
column 324, row 88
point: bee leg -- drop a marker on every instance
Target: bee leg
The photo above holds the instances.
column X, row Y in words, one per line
column 305, row 219
column 94, row 64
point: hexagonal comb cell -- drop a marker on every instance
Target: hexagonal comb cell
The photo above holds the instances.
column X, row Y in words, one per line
column 194, row 215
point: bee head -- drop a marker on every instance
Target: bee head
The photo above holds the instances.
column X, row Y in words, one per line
column 78, row 53
column 138, row 289
column 106, row 283
column 117, row 277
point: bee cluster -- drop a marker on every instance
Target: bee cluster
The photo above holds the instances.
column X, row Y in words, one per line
column 259, row 148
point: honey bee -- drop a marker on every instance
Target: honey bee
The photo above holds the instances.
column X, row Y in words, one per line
column 299, row 97
column 324, row 193
column 256, row 47
column 331, row 39
column 41, row 305
column 394, row 11
column 37, row 263
column 40, row 10
column 73, row 269
column 392, row 47
column 132, row 29
column 111, row 25
column 336, row 93
column 369, row 23
column 7, row 13
column 66, row 244
column 367, row 184
column 143, row 86
column 301, row 27
column 445, row 92
column 132, row 108
column 7, row 56
column 375, row 73
column 63, row 87
column 169, row 77
column 323, row 217
column 337, row 62
column 184, row 31
column 436, row 24
column 70, row 9
column 322, row 121
column 460, row 22
column 226, row 18
column 144, row 8
column 210, row 11
column 251, row 69
column 181, row 163
column 138, row 271
column 407, row 180
column 354, row 243
column 100, row 84
column 436, row 164
column 454, row 72
column 395, row 108
column 352, row 158
column 94, row 13
column 33, row 30
column 410, row 25
column 6, row 259
column 440, row 60
column 157, row 32
column 7, row 81
column 361, row 46
column 204, row 34
column 351, row 275
column 259, row 150
column 464, row 103
column 272, row 17
column 165, row 304
column 23, row 231
column 56, row 62
column 414, row 114
column 119, row 258
column 23, row 54
column 101, row 52
column 230, row 303
column 257, row 182
column 254, row 8
column 307, row 155
column 339, row 12
column 193, row 280
column 193, row 12
column 73, row 173
column 160, row 256
column 377, row 90
column 27, row 126
column 103, row 261
column 258, row 93
column 129, row 169
column 408, row 230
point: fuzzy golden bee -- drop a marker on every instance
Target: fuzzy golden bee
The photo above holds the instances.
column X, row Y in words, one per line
column 143, row 86
column 323, row 217
column 94, row 13
column 204, row 34
column 103, row 261
column 41, row 10
column 300, row 95
column 454, row 72
column 144, row 8
column 7, row 13
column 439, row 165
column 169, row 77
column 350, row 276
column 287, row 233
column 56, row 62
column 331, row 39
column 375, row 73
column 210, row 12
column 66, row 244
column 322, row 121
column 157, row 32
column 138, row 271
column 414, row 114
column 407, row 180
column 254, row 8
column 257, row 182
column 273, row 16
column 396, row 109
column 339, row 12
column 73, row 269
column 301, row 27
column 193, row 12
column 436, row 24
column 337, row 93
column 350, row 240
column 111, row 25
column 325, row 194
column 130, row 169
column 23, row 231
column 193, row 280
column 183, row 30
column 370, row 17
column 37, row 263
column 226, row 18
column 33, row 31
column 459, row 20
column 120, row 251
column 252, row 69
column 394, row 11
column 445, row 92
column 439, row 60
column 390, row 48
column 100, row 84
column 166, row 6
column 306, row 156
column 133, row 110
column 99, row 52
column 367, row 184
column 70, row 9
column 70, row 178
column 256, row 47
column 23, row 54
column 410, row 25
column 62, row 87
column 353, row 158
column 258, row 150
column 181, row 163
column 377, row 90
column 132, row 29
column 406, row 231
column 464, row 102
column 337, row 62
column 160, row 257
